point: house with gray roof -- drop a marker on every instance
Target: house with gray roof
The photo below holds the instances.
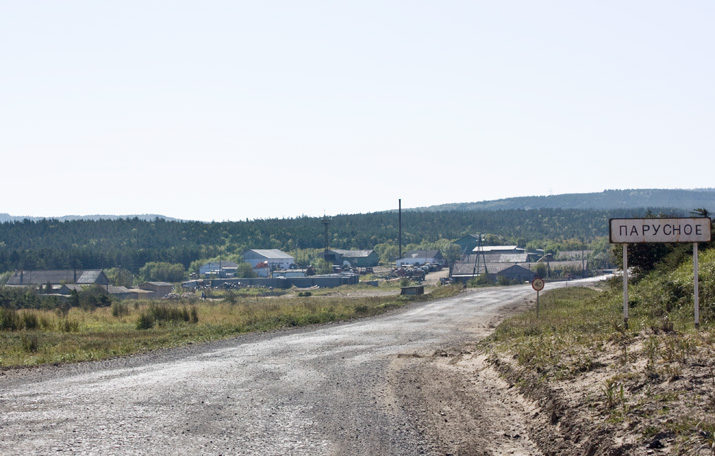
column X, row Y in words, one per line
column 421, row 257
column 462, row 271
column 356, row 258
column 58, row 277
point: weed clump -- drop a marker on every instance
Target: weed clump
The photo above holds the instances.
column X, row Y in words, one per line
column 29, row 343
column 119, row 309
column 163, row 313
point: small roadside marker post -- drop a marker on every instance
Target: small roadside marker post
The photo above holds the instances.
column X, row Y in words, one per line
column 538, row 285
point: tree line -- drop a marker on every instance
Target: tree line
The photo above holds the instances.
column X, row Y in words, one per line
column 131, row 244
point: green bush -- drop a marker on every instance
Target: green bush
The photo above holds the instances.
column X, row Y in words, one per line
column 29, row 343
column 10, row 320
column 119, row 309
column 162, row 313
column 145, row 321
column 67, row 325
column 30, row 320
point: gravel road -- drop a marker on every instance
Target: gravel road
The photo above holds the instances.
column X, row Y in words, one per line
column 366, row 387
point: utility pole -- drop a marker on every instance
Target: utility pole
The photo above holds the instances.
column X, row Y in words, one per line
column 325, row 221
column 399, row 222
column 480, row 251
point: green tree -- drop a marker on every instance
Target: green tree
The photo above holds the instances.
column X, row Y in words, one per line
column 162, row 272
column 541, row 270
column 387, row 252
column 245, row 270
column 120, row 277
column 322, row 267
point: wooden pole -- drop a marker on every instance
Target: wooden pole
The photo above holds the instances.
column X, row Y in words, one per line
column 625, row 285
column 696, row 298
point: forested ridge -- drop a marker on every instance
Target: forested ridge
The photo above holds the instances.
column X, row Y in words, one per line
column 681, row 199
column 131, row 243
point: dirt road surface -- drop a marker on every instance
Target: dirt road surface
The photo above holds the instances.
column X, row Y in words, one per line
column 390, row 385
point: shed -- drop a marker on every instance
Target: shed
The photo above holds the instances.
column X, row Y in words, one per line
column 157, row 289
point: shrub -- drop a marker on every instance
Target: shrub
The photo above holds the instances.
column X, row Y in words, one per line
column 119, row 309
column 145, row 321
column 160, row 313
column 9, row 320
column 29, row 343
column 67, row 325
column 30, row 320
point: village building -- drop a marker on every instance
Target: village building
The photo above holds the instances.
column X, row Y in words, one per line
column 275, row 258
column 219, row 269
column 420, row 258
column 58, row 277
column 467, row 243
column 355, row 258
column 462, row 271
column 157, row 289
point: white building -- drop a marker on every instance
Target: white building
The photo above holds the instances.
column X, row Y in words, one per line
column 219, row 268
column 274, row 257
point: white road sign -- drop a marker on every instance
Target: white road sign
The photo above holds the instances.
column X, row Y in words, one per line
column 635, row 231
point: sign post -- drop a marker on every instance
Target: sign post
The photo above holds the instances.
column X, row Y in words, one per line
column 655, row 230
column 538, row 285
column 625, row 285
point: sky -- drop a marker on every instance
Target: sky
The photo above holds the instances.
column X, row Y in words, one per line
column 223, row 110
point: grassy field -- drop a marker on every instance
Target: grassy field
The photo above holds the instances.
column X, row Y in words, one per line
column 649, row 386
column 51, row 336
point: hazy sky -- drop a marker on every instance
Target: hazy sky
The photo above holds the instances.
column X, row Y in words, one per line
column 227, row 110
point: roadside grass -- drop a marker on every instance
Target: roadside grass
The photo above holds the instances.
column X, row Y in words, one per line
column 655, row 378
column 107, row 332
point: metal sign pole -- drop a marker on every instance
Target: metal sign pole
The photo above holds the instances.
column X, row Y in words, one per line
column 696, row 298
column 625, row 285
column 537, row 284
column 537, row 304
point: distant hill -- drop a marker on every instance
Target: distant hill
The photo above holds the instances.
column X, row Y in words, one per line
column 657, row 199
column 5, row 217
column 685, row 200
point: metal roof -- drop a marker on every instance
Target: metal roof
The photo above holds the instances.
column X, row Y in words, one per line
column 353, row 253
column 271, row 253
column 224, row 264
column 498, row 248
column 88, row 277
column 467, row 269
column 423, row 254
column 55, row 277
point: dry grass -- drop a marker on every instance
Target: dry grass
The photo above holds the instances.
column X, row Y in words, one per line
column 107, row 332
column 650, row 384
